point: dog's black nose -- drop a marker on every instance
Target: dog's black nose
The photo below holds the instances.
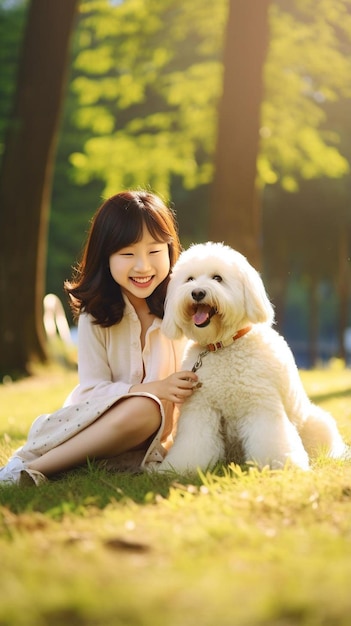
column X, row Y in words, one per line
column 198, row 294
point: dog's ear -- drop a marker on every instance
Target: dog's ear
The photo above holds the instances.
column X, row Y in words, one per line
column 258, row 307
column 169, row 326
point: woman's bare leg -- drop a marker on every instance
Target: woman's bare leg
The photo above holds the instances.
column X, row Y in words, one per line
column 125, row 426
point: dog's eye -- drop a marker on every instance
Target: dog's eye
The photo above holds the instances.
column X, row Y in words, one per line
column 189, row 279
column 217, row 278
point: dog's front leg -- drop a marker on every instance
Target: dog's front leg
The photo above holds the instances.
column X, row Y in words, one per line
column 198, row 443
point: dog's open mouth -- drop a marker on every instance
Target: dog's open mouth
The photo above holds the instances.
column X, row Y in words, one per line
column 202, row 314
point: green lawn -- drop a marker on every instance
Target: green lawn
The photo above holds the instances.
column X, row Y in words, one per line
column 241, row 548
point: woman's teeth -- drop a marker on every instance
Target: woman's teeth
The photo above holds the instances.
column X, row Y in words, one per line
column 146, row 279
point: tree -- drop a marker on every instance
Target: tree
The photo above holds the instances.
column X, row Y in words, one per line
column 308, row 68
column 12, row 21
column 25, row 181
column 234, row 211
column 140, row 111
column 149, row 101
column 145, row 85
column 148, row 76
column 305, row 157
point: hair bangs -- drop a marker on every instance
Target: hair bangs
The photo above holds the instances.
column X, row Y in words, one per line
column 156, row 227
column 125, row 232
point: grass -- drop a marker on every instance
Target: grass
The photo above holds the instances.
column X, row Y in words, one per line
column 233, row 548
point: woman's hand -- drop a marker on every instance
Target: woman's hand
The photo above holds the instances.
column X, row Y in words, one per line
column 176, row 388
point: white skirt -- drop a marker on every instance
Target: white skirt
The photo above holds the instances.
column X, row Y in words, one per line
column 51, row 430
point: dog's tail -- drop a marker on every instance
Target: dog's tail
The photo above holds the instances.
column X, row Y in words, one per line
column 320, row 434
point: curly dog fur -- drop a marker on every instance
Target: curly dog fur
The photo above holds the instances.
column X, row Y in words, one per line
column 251, row 405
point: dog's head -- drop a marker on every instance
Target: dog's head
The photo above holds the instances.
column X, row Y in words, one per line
column 213, row 293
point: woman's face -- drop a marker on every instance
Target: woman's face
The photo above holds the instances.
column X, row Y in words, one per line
column 140, row 267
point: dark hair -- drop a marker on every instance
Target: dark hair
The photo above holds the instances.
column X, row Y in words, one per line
column 117, row 224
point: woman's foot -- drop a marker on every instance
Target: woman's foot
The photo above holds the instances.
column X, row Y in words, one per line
column 16, row 473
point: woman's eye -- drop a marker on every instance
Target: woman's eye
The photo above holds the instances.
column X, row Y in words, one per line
column 217, row 278
column 155, row 251
column 189, row 279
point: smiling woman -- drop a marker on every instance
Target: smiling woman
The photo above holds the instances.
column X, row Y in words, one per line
column 117, row 230
column 141, row 266
column 129, row 378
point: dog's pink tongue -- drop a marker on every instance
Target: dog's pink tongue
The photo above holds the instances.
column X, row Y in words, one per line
column 202, row 314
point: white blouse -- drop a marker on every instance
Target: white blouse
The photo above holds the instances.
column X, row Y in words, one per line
column 111, row 360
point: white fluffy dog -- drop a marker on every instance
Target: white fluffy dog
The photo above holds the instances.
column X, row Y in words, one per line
column 251, row 406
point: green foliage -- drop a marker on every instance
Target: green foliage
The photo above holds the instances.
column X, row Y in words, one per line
column 148, row 78
column 235, row 546
column 308, row 67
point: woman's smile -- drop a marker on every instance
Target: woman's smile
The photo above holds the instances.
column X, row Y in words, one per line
column 142, row 281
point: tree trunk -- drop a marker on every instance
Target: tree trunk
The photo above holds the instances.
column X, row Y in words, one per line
column 343, row 289
column 313, row 322
column 234, row 213
column 25, row 182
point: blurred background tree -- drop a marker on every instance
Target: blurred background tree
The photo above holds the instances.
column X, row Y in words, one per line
column 239, row 116
column 25, row 181
column 142, row 106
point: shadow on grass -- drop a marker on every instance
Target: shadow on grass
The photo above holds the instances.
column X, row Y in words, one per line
column 332, row 395
column 78, row 490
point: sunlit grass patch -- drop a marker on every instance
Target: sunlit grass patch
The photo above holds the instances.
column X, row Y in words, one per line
column 235, row 546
